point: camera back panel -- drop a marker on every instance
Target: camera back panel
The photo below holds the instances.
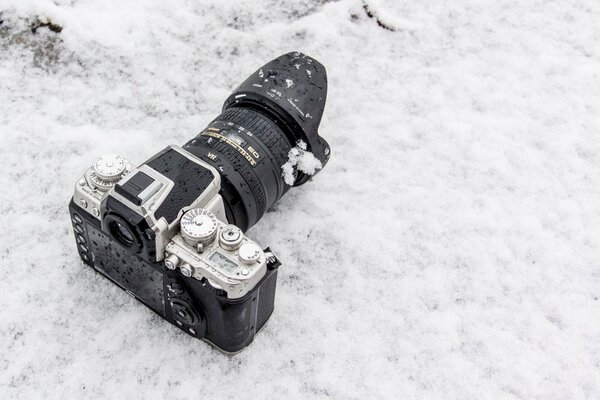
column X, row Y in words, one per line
column 193, row 305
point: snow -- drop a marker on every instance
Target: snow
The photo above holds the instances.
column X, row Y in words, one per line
column 449, row 249
column 299, row 159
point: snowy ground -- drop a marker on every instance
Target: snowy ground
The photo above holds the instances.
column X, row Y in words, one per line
column 448, row 250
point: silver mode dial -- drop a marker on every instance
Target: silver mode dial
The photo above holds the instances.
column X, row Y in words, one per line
column 198, row 226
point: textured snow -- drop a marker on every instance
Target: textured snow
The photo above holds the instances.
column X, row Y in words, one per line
column 299, row 159
column 449, row 249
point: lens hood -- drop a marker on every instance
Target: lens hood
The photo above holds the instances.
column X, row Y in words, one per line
column 292, row 90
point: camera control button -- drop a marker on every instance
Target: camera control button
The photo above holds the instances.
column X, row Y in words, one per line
column 186, row 269
column 171, row 261
column 230, row 237
column 177, row 288
column 183, row 312
column 77, row 219
column 249, row 253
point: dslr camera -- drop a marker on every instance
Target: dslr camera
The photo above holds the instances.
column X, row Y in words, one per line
column 171, row 231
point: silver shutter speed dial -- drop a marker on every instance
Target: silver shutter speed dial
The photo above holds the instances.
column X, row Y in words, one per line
column 198, row 226
column 249, row 253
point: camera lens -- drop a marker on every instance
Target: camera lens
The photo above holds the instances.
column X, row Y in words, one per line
column 249, row 149
column 276, row 107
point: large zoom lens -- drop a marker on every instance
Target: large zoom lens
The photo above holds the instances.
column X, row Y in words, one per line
column 278, row 106
column 248, row 149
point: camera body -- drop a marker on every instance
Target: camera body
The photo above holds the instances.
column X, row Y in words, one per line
column 170, row 232
column 214, row 283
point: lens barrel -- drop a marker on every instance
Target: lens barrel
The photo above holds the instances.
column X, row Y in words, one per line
column 269, row 113
column 248, row 149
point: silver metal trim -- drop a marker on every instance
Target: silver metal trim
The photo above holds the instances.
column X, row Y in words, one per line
column 234, row 282
column 94, row 198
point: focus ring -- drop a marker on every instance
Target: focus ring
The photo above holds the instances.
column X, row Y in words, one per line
column 266, row 131
column 261, row 127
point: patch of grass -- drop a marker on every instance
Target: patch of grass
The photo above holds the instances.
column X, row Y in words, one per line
column 38, row 37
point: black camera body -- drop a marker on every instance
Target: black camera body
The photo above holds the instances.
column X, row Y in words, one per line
column 171, row 232
column 192, row 305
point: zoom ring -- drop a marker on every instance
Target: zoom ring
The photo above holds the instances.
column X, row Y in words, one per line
column 242, row 168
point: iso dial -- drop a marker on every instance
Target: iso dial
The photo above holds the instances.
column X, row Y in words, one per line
column 107, row 170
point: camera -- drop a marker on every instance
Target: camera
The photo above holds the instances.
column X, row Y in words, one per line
column 171, row 231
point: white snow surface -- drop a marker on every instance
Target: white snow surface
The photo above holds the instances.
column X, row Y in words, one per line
column 448, row 250
column 302, row 160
